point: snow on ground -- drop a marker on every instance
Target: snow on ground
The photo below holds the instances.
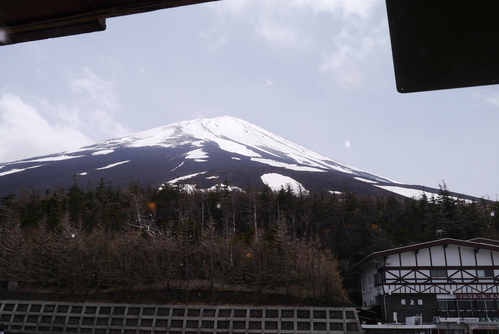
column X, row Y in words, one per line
column 286, row 165
column 54, row 158
column 335, row 192
column 197, row 155
column 114, row 165
column 189, row 188
column 177, row 166
column 365, row 180
column 229, row 188
column 12, row 171
column 415, row 193
column 234, row 147
column 103, row 152
column 277, row 181
column 185, row 177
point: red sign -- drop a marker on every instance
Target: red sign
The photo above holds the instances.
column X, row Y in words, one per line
column 477, row 295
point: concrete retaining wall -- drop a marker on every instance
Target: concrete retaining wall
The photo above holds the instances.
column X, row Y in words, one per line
column 61, row 317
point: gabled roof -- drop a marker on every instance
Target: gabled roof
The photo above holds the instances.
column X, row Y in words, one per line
column 28, row 20
column 477, row 243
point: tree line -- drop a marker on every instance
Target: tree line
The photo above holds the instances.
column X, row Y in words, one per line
column 108, row 237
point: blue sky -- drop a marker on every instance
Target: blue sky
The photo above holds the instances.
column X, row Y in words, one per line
column 317, row 72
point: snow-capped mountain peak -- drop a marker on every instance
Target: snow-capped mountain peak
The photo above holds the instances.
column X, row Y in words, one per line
column 202, row 152
column 238, row 137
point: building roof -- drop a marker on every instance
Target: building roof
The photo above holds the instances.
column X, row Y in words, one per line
column 477, row 243
column 29, row 20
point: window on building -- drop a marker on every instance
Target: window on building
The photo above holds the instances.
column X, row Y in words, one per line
column 446, row 304
column 485, row 304
column 438, row 273
column 485, row 273
column 465, row 304
column 379, row 279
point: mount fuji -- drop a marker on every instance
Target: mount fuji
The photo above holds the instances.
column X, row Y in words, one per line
column 200, row 154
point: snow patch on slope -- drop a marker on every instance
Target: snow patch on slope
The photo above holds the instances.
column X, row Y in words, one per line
column 417, row 194
column 277, row 182
column 177, row 166
column 103, row 152
column 414, row 193
column 365, row 180
column 52, row 158
column 287, row 166
column 184, row 177
column 113, row 165
column 197, row 155
column 15, row 170
column 228, row 188
column 335, row 192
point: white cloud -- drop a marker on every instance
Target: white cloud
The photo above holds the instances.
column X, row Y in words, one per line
column 353, row 45
column 282, row 21
column 25, row 133
column 275, row 33
column 29, row 130
column 344, row 8
column 269, row 82
column 216, row 37
column 360, row 8
column 487, row 96
column 352, row 33
column 98, row 101
column 236, row 7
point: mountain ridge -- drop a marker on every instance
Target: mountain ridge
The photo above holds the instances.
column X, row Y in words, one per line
column 209, row 150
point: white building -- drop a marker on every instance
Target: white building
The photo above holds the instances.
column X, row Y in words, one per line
column 446, row 284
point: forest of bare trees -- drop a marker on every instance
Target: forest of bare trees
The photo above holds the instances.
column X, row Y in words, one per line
column 104, row 237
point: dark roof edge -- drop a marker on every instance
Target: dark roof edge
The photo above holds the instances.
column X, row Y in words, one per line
column 485, row 241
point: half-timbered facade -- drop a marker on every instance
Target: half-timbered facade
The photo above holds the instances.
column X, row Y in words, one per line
column 437, row 280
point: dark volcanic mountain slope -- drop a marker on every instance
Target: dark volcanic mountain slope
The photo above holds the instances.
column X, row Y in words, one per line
column 201, row 153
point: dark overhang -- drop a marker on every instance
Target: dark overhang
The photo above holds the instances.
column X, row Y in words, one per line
column 440, row 44
column 29, row 20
